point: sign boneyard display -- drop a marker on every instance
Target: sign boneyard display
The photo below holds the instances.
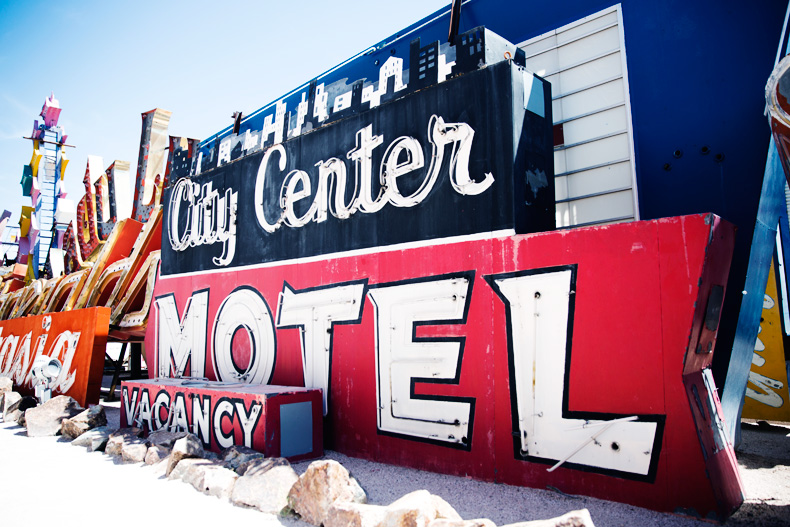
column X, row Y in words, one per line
column 378, row 254
column 111, row 261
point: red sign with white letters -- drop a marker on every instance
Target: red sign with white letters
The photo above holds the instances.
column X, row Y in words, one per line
column 279, row 421
column 569, row 358
column 76, row 338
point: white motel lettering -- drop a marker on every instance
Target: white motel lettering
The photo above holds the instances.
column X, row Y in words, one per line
column 538, row 303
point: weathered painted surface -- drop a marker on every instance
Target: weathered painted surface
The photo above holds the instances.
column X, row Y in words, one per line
column 494, row 358
column 279, row 421
column 42, row 181
column 681, row 139
column 76, row 338
column 150, row 163
column 426, row 165
column 766, row 392
column 772, row 207
column 121, row 278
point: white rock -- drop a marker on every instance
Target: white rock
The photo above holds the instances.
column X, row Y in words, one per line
column 134, row 451
column 93, row 440
column 182, row 467
column 212, row 478
column 6, row 386
column 89, row 419
column 155, row 454
column 188, row 446
column 209, row 477
column 418, row 509
column 323, row 483
column 46, row 419
column 16, row 412
column 9, row 399
column 114, row 446
column 266, row 491
column 346, row 514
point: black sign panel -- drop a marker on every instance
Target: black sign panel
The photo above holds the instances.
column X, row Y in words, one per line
column 469, row 155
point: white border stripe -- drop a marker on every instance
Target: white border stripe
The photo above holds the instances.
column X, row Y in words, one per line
column 347, row 254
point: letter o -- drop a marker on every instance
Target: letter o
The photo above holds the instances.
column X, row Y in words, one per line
column 246, row 309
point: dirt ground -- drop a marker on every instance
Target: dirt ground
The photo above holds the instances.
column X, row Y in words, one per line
column 764, row 460
column 81, row 488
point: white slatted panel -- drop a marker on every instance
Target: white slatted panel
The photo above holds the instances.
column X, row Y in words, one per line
column 585, row 63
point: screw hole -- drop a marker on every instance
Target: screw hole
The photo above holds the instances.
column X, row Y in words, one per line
column 705, row 150
column 667, row 167
column 719, row 158
column 537, row 294
column 615, row 446
column 678, row 154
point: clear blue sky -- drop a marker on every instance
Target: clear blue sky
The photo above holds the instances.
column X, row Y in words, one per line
column 107, row 62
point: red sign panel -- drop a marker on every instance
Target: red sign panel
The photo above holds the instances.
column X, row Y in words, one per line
column 76, row 338
column 280, row 421
column 560, row 358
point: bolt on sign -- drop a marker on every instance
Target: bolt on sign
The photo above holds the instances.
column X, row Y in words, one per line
column 393, row 257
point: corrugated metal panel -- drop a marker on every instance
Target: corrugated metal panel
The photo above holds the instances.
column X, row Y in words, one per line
column 594, row 158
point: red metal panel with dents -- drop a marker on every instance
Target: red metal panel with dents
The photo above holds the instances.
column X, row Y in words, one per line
column 76, row 338
column 575, row 359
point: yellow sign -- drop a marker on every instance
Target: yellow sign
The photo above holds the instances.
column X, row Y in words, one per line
column 767, row 394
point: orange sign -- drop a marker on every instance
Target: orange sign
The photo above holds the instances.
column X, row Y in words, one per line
column 76, row 338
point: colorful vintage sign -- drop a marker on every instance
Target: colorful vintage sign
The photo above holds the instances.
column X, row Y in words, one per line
column 766, row 393
column 76, row 338
column 280, row 421
column 576, row 359
column 426, row 165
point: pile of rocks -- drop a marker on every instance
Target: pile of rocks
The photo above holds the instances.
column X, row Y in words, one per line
column 325, row 495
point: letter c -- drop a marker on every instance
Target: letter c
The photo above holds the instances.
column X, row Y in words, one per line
column 181, row 192
column 259, row 181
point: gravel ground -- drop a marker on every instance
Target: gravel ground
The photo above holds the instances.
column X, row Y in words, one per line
column 79, row 488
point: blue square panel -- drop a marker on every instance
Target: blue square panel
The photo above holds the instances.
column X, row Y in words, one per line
column 296, row 429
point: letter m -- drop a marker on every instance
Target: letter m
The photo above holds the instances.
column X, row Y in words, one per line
column 179, row 339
